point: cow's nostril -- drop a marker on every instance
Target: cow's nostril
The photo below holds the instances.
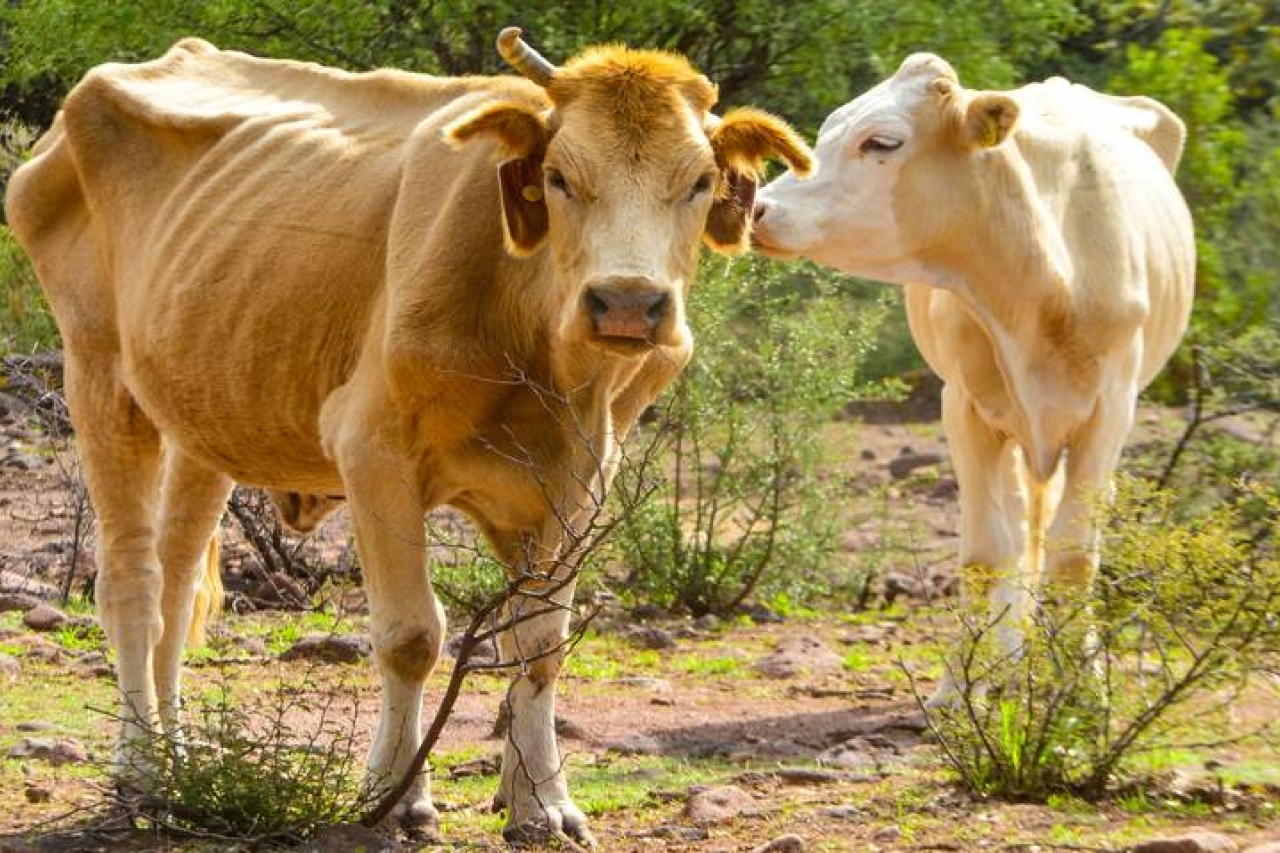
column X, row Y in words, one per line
column 596, row 305
column 658, row 309
column 758, row 213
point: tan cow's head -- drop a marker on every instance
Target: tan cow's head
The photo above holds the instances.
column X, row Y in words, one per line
column 620, row 178
column 899, row 175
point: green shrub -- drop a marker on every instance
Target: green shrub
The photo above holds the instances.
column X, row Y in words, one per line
column 1182, row 623
column 243, row 770
column 740, row 508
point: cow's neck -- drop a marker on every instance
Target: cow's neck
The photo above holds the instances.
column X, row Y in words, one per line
column 1014, row 273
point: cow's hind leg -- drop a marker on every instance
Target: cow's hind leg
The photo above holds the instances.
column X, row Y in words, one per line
column 120, row 455
column 995, row 594
column 192, row 500
column 533, row 784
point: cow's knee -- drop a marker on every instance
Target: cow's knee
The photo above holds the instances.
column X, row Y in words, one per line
column 410, row 655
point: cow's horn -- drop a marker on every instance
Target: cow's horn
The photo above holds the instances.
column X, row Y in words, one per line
column 523, row 58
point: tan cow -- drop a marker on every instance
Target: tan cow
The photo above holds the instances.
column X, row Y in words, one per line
column 1048, row 261
column 291, row 276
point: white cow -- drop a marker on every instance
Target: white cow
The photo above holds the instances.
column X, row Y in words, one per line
column 1049, row 263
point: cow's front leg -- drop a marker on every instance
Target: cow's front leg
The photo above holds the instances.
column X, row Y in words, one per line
column 994, row 591
column 533, row 785
column 405, row 617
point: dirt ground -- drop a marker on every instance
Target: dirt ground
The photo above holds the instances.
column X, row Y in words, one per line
column 835, row 753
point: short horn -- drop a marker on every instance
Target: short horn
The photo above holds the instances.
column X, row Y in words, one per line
column 523, row 58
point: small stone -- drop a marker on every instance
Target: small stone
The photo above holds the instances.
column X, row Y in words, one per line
column 719, row 805
column 481, row 653
column 252, row 646
column 19, row 583
column 763, row 615
column 20, row 601
column 795, row 655
column 843, row 813
column 849, row 756
column 9, row 669
column 1199, row 841
column 707, row 622
column 38, row 791
column 44, row 617
column 646, row 682
column 35, row 726
column 56, row 752
column 908, row 462
column 330, row 648
column 886, row 834
column 782, row 844
column 635, row 744
column 566, row 728
column 676, row 833
column 867, row 455
column 655, row 639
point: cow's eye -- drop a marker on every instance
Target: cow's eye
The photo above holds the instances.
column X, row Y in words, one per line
column 879, row 145
column 702, row 185
column 556, row 181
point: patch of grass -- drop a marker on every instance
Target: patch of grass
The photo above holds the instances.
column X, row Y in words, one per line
column 697, row 664
column 858, row 659
column 80, row 638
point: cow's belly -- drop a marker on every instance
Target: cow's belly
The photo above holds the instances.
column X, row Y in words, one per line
column 248, row 305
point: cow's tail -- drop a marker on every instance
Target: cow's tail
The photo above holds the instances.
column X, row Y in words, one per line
column 1037, row 521
column 209, row 594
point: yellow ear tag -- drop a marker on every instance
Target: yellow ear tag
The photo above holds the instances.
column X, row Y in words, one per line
column 532, row 193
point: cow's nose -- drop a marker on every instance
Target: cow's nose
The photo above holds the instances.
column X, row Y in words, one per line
column 627, row 307
column 760, row 208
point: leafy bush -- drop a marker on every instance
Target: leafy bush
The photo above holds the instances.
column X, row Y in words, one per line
column 741, row 509
column 1183, row 622
column 245, row 770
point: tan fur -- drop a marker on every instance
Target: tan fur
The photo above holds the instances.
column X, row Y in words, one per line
column 295, row 277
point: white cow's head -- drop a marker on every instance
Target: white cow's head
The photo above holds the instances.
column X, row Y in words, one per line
column 897, row 175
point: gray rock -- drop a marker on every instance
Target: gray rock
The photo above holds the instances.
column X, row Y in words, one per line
column 35, row 726
column 675, row 833
column 646, row 682
column 719, row 805
column 902, row 467
column 567, row 728
column 330, row 648
column 9, row 669
column 886, row 834
column 45, row 617
column 13, row 582
column 1198, row 841
column 20, row 601
column 843, row 813
column 707, row 622
column 782, row 844
column 635, row 744
column 656, row 639
column 37, row 791
column 849, row 756
column 56, row 752
column 763, row 615
column 798, row 654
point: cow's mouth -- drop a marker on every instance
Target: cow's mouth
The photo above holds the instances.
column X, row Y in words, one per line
column 624, row 345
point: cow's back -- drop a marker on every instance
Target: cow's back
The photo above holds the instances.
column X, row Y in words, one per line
column 216, row 225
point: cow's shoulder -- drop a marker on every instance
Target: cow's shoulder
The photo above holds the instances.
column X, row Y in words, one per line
column 1088, row 111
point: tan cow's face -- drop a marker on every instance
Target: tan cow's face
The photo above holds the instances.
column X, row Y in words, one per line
column 620, row 180
column 896, row 173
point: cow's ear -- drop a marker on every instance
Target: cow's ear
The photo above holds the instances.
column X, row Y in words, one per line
column 522, row 134
column 742, row 141
column 988, row 120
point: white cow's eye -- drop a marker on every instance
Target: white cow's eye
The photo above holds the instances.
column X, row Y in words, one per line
column 879, row 145
column 702, row 185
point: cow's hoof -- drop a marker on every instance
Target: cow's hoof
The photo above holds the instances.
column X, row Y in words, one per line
column 419, row 818
column 557, row 819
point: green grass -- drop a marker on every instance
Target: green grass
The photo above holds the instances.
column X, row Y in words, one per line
column 697, row 664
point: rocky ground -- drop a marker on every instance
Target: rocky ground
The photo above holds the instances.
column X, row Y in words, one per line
column 774, row 732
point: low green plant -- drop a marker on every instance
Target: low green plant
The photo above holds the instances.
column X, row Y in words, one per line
column 742, row 510
column 244, row 770
column 1181, row 624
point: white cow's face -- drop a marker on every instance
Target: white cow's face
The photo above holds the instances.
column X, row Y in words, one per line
column 871, row 207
